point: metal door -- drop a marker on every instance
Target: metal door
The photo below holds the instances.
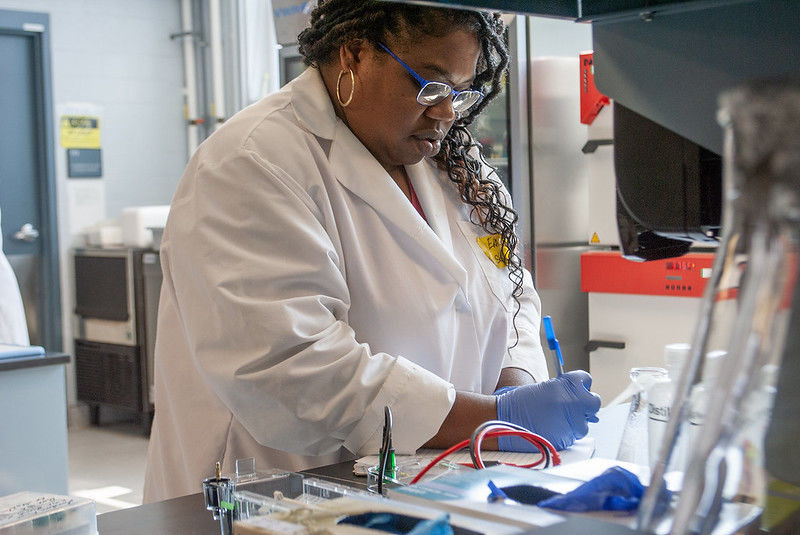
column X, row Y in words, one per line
column 27, row 192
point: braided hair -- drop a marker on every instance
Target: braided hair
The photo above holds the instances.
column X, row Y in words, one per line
column 335, row 22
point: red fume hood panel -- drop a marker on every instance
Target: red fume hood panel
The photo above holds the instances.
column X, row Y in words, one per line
column 608, row 272
column 592, row 100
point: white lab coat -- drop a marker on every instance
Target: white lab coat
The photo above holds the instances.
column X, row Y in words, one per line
column 13, row 327
column 302, row 293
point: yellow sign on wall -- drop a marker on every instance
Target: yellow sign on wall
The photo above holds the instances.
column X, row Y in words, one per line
column 80, row 132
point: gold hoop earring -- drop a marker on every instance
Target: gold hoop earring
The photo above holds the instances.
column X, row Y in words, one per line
column 352, row 88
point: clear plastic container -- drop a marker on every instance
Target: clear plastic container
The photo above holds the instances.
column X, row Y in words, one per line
column 407, row 471
column 289, row 496
column 33, row 513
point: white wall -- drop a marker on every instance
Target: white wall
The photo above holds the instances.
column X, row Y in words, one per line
column 115, row 58
column 557, row 37
column 560, row 180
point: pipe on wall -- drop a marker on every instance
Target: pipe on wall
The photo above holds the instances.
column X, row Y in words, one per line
column 217, row 73
column 190, row 89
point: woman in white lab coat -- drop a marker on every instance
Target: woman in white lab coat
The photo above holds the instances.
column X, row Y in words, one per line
column 338, row 247
column 13, row 327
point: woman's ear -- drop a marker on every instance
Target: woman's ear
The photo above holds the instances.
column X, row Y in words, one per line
column 352, row 53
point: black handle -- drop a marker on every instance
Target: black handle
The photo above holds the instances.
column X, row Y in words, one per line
column 593, row 345
column 592, row 145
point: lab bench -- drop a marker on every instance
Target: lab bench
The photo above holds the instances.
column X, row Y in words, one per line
column 188, row 514
column 33, row 404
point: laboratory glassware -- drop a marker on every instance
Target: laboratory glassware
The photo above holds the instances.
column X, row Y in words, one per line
column 745, row 310
column 633, row 447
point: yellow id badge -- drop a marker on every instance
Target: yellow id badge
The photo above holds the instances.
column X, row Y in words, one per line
column 491, row 246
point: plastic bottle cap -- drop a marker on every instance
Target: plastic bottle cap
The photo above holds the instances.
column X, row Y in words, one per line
column 675, row 356
column 712, row 365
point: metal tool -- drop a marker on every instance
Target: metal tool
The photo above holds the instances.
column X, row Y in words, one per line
column 218, row 496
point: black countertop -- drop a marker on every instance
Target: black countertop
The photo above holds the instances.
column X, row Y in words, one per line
column 188, row 515
column 48, row 359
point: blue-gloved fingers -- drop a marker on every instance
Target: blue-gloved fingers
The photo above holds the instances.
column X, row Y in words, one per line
column 593, row 419
column 556, row 409
column 580, row 427
column 590, row 400
column 594, row 403
column 521, row 445
column 579, row 377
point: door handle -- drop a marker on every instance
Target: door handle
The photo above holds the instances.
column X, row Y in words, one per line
column 26, row 233
column 593, row 345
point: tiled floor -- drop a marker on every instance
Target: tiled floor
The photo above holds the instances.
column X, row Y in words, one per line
column 106, row 464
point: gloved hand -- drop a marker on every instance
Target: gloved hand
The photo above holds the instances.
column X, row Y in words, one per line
column 558, row 409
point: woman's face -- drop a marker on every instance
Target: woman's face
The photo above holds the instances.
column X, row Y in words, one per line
column 384, row 113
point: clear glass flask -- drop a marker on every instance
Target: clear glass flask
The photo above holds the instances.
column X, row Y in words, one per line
column 745, row 312
column 633, row 447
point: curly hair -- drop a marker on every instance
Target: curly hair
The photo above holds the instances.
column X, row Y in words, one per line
column 335, row 22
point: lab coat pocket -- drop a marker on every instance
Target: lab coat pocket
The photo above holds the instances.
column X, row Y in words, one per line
column 489, row 257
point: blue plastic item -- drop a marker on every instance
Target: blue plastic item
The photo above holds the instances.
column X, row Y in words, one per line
column 552, row 343
column 616, row 489
column 558, row 409
column 496, row 494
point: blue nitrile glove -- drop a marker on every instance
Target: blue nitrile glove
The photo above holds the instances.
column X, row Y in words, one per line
column 558, row 409
column 616, row 489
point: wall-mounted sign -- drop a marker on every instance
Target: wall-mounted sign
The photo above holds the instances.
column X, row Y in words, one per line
column 80, row 132
column 84, row 163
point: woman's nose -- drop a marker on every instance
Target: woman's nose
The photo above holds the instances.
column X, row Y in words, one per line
column 442, row 111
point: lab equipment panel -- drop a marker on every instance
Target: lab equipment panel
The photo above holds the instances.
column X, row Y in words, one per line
column 109, row 374
column 98, row 292
column 635, row 309
column 609, row 272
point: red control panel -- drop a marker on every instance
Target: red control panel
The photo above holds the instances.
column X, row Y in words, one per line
column 608, row 272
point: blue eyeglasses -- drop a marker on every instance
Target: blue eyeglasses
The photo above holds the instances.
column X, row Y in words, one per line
column 432, row 93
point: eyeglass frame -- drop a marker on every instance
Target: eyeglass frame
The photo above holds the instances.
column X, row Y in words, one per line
column 423, row 82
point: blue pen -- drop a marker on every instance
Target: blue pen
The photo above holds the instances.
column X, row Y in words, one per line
column 496, row 494
column 552, row 343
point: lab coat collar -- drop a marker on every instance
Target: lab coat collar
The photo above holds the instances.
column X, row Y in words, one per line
column 425, row 177
column 312, row 105
column 358, row 171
